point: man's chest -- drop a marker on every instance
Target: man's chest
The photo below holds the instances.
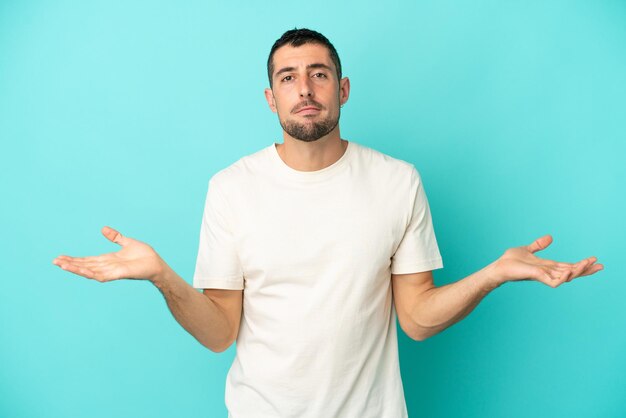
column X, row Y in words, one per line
column 283, row 231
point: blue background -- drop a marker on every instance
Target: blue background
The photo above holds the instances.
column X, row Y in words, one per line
column 118, row 113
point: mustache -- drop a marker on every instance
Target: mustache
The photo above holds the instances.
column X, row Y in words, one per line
column 307, row 103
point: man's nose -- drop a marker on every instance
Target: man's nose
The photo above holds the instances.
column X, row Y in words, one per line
column 306, row 88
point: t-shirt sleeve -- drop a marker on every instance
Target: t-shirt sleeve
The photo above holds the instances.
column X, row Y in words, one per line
column 217, row 264
column 418, row 250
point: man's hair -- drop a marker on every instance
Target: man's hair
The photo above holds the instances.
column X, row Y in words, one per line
column 298, row 37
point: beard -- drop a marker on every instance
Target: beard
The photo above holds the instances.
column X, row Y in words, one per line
column 309, row 131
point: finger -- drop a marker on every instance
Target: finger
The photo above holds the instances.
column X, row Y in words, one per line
column 566, row 266
column 540, row 244
column 548, row 277
column 588, row 260
column 560, row 267
column 83, row 261
column 81, row 271
column 555, row 264
column 563, row 265
column 588, row 263
column 75, row 259
column 572, row 271
column 586, row 267
column 559, row 276
column 578, row 269
column 99, row 273
column 114, row 236
column 90, row 265
column 592, row 269
column 566, row 276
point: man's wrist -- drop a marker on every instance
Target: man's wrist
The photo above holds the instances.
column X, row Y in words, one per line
column 162, row 275
column 490, row 278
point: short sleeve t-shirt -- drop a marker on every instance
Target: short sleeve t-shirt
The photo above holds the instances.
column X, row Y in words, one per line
column 314, row 252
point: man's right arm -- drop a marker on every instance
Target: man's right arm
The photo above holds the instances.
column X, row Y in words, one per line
column 213, row 318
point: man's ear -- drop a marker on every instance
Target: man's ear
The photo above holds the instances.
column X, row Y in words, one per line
column 344, row 90
column 269, row 96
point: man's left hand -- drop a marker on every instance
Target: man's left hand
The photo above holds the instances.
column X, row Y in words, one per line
column 521, row 263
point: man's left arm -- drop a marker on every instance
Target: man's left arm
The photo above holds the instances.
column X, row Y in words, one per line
column 425, row 310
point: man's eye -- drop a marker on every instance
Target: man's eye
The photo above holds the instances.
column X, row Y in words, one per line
column 287, row 78
column 319, row 75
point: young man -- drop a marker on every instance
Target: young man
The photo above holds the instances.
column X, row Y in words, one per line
column 309, row 250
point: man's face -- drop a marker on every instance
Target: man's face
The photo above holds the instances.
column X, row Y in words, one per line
column 306, row 94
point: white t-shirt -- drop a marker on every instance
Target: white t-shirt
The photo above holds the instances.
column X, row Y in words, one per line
column 314, row 253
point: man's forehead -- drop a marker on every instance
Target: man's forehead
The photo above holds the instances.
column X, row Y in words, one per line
column 296, row 56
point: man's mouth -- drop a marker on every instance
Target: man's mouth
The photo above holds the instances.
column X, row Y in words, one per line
column 308, row 106
column 308, row 110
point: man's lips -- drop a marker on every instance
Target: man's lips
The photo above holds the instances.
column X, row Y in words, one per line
column 308, row 109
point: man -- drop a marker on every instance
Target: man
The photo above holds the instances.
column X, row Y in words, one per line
column 309, row 250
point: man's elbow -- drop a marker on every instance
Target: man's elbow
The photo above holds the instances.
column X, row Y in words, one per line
column 217, row 348
column 420, row 336
column 417, row 332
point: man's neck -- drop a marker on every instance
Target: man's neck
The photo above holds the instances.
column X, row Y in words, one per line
column 311, row 156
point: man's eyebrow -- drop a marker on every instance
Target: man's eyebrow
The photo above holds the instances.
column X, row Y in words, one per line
column 308, row 67
column 284, row 70
column 318, row 65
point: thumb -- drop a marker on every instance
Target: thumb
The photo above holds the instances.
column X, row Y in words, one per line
column 540, row 244
column 114, row 236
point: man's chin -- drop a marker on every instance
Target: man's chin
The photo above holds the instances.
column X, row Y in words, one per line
column 308, row 132
column 304, row 136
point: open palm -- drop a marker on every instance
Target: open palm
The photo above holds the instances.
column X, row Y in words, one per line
column 520, row 263
column 136, row 260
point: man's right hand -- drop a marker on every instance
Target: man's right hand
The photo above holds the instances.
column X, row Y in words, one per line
column 213, row 318
column 136, row 260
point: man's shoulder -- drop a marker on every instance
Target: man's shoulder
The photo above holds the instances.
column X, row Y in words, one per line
column 375, row 160
column 246, row 167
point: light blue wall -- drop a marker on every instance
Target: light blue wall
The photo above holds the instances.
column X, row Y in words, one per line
column 117, row 113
